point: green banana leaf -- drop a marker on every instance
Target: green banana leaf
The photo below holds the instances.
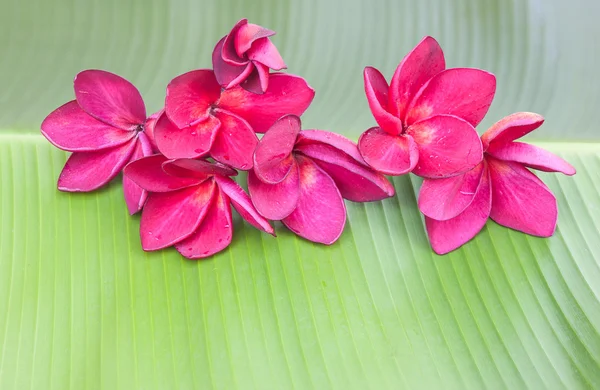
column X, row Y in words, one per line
column 83, row 307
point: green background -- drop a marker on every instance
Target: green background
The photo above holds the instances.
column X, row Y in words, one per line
column 83, row 307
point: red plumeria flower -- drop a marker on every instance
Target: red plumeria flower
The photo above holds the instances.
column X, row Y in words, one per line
column 300, row 177
column 244, row 57
column 189, row 205
column 500, row 187
column 105, row 129
column 202, row 120
column 426, row 116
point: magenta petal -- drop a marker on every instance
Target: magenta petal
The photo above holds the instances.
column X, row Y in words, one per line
column 243, row 204
column 465, row 93
column 389, row 154
column 531, row 156
column 226, row 74
column 187, row 142
column 511, row 128
column 190, row 97
column 186, row 167
column 149, row 129
column 170, row 217
column 320, row 214
column 229, row 52
column 235, row 141
column 520, row 200
column 448, row 146
column 215, row 231
column 376, row 89
column 272, row 157
column 446, row 236
column 147, row 172
column 443, row 199
column 421, row 64
column 135, row 196
column 258, row 79
column 72, row 129
column 275, row 201
column 110, row 98
column 87, row 171
column 336, row 140
column 264, row 52
column 247, row 34
column 355, row 181
column 287, row 94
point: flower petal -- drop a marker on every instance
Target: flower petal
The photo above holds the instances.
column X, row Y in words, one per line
column 110, row 98
column 388, row 154
column 187, row 142
column 264, row 52
column 87, row 171
column 376, row 89
column 170, row 217
column 190, row 97
column 336, row 140
column 149, row 129
column 465, row 93
column 215, row 231
column 147, row 172
column 531, row 156
column 258, row 79
column 235, row 141
column 446, row 236
column 272, row 156
column 520, row 200
column 275, row 201
column 228, row 75
column 287, row 94
column 186, row 167
column 320, row 214
column 421, row 64
column 511, row 128
column 443, row 199
column 355, row 181
column 135, row 196
column 448, row 146
column 229, row 52
column 247, row 35
column 243, row 204
column 72, row 129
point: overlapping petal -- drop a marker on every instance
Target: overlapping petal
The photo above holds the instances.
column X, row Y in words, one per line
column 87, row 171
column 228, row 75
column 247, row 34
column 214, row 233
column 264, row 52
column 530, row 156
column 376, row 89
column 462, row 92
column 421, row 64
column 320, row 214
column 520, row 200
column 110, row 99
column 287, row 94
column 135, row 196
column 446, row 236
column 275, row 201
column 187, row 142
column 170, row 217
column 511, row 128
column 234, row 142
column 72, row 129
column 272, row 156
column 190, row 97
column 388, row 154
column 448, row 146
column 148, row 173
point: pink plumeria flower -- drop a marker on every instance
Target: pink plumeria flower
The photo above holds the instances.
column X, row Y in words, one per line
column 500, row 187
column 189, row 205
column 105, row 127
column 202, row 120
column 301, row 178
column 244, row 57
column 426, row 116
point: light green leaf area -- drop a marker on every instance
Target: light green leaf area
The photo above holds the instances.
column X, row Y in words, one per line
column 83, row 307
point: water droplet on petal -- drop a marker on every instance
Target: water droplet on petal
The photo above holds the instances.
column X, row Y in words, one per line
column 226, row 157
column 226, row 226
column 193, row 133
column 198, row 150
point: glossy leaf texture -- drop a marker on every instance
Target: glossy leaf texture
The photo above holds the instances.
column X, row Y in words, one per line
column 82, row 306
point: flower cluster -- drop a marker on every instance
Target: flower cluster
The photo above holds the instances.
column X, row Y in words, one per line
column 178, row 163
